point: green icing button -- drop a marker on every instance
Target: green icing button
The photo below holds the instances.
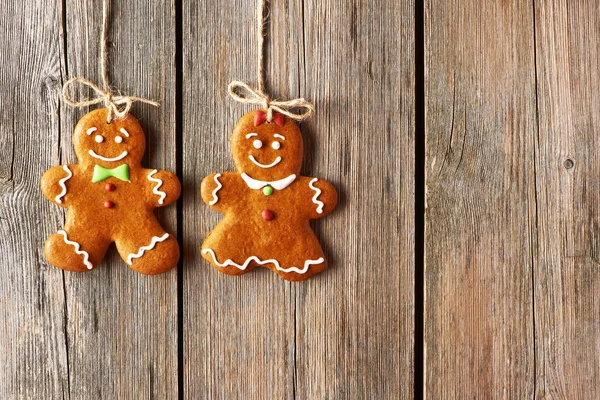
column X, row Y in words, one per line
column 268, row 190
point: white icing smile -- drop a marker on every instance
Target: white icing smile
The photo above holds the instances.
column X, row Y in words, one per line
column 274, row 163
column 117, row 158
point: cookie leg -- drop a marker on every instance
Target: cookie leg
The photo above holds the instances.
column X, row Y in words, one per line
column 75, row 250
column 151, row 251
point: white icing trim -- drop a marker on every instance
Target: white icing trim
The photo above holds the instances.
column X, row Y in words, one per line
column 307, row 264
column 62, row 185
column 248, row 136
column 274, row 163
column 277, row 135
column 85, row 254
column 319, row 203
column 255, row 184
column 214, row 193
column 91, row 130
column 141, row 250
column 229, row 263
column 98, row 156
column 159, row 184
column 124, row 132
column 118, row 139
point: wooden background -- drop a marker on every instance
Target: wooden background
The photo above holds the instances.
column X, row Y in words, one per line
column 460, row 134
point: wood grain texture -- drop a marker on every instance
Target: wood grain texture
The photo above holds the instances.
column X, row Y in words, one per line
column 567, row 284
column 355, row 323
column 480, row 121
column 33, row 347
column 121, row 326
column 239, row 331
column 348, row 332
column 511, row 235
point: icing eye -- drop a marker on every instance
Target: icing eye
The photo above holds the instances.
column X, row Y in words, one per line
column 276, row 145
column 257, row 144
column 118, row 139
column 99, row 139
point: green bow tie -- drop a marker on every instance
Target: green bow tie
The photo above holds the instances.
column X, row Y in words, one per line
column 101, row 173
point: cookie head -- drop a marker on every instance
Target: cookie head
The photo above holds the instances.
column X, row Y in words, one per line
column 109, row 145
column 267, row 150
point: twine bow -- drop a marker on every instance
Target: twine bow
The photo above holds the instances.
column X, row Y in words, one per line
column 257, row 96
column 118, row 106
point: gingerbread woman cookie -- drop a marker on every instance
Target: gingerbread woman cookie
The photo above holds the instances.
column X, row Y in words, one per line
column 110, row 198
column 267, row 204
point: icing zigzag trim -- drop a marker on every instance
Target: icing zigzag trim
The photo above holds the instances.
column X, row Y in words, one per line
column 230, row 263
column 141, row 251
column 214, row 193
column 319, row 203
column 85, row 254
column 62, row 184
column 159, row 184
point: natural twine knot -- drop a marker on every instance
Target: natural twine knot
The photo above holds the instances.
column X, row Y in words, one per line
column 257, row 96
column 118, row 106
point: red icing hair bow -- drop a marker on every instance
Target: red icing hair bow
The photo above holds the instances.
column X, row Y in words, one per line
column 260, row 117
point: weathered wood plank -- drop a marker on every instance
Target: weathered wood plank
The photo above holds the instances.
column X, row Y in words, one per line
column 355, row 323
column 239, row 336
column 33, row 351
column 121, row 326
column 567, row 284
column 480, row 217
column 349, row 331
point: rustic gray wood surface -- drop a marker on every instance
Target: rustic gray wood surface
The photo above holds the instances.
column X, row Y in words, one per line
column 481, row 130
column 348, row 332
column 509, row 303
column 512, row 180
column 566, row 275
column 110, row 333
column 124, row 325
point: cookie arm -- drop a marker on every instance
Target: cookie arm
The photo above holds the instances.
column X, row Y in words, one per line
column 55, row 184
column 320, row 197
column 165, row 187
column 211, row 190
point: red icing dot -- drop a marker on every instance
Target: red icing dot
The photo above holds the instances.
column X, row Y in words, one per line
column 268, row 215
column 109, row 204
column 110, row 187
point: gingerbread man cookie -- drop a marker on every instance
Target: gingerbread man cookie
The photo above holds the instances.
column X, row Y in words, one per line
column 110, row 198
column 267, row 204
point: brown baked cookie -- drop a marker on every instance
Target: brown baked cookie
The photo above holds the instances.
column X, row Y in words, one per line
column 110, row 198
column 267, row 204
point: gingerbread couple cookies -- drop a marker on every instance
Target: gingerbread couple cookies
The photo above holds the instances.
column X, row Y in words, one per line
column 110, row 198
column 267, row 204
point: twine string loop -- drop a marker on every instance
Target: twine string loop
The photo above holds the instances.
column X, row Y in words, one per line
column 118, row 106
column 243, row 93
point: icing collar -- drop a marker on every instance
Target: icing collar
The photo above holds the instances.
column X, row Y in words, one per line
column 279, row 185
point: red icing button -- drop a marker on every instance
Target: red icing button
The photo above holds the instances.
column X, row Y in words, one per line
column 109, row 204
column 110, row 187
column 268, row 215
